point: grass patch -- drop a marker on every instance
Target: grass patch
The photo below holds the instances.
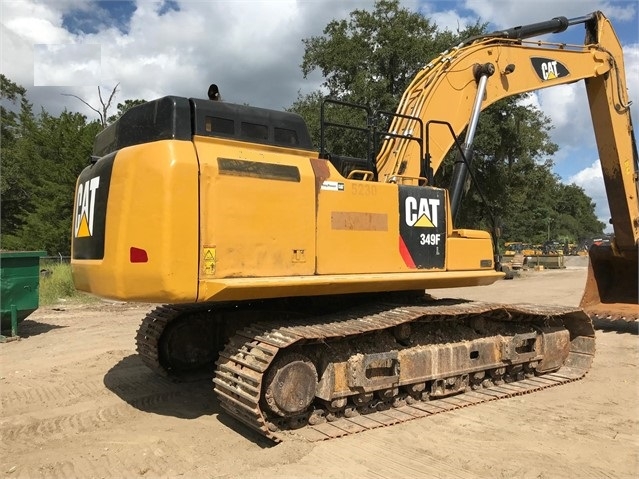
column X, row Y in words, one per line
column 56, row 283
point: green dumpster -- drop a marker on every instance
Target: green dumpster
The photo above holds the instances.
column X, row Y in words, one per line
column 19, row 285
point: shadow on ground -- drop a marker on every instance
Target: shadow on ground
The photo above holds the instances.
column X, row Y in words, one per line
column 247, row 432
column 29, row 327
column 617, row 326
column 132, row 381
column 140, row 387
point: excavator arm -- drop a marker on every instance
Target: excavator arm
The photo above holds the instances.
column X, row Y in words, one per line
column 611, row 291
column 453, row 89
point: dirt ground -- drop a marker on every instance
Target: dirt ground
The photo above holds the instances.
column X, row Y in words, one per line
column 77, row 402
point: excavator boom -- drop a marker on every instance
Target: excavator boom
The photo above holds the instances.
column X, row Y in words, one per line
column 485, row 69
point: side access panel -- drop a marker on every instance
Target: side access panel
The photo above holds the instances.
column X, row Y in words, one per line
column 257, row 211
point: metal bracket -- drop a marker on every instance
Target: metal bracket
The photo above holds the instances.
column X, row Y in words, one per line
column 373, row 371
column 521, row 347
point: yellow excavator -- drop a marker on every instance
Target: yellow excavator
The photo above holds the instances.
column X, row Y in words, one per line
column 298, row 279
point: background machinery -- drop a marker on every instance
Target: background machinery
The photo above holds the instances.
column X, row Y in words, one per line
column 299, row 278
column 513, row 256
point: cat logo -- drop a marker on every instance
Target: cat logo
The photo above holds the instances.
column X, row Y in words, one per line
column 548, row 69
column 85, row 207
column 421, row 212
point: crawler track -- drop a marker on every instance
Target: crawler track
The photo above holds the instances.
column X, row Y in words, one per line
column 243, row 365
column 149, row 334
column 199, row 343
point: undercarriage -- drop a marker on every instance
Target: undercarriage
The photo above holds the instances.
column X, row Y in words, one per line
column 286, row 373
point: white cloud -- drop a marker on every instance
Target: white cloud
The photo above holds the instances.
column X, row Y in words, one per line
column 508, row 13
column 252, row 49
column 451, row 20
column 66, row 65
column 23, row 25
column 591, row 180
column 631, row 61
column 567, row 107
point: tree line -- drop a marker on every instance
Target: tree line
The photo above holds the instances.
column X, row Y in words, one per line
column 369, row 58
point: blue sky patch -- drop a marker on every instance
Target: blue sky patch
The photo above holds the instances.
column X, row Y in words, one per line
column 167, row 6
column 97, row 15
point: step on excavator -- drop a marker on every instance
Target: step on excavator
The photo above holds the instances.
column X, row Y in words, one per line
column 297, row 280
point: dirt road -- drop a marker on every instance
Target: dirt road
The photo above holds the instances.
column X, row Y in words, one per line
column 77, row 402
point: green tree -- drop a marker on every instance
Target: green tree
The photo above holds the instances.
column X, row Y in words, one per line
column 14, row 94
column 16, row 120
column 41, row 160
column 62, row 147
column 124, row 107
column 513, row 169
column 508, row 166
column 372, row 57
column 369, row 59
column 576, row 219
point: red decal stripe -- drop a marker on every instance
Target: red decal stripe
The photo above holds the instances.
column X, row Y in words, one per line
column 403, row 250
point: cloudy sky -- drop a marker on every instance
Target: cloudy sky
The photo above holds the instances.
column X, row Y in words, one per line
column 253, row 48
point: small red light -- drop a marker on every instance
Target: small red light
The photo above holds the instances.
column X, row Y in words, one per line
column 138, row 255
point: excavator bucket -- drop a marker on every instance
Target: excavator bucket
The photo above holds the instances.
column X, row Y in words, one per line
column 611, row 288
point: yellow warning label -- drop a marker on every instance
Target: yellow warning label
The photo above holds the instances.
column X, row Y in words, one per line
column 208, row 258
column 83, row 230
column 424, row 222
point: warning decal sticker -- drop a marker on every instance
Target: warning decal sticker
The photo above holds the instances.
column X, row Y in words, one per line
column 208, row 259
